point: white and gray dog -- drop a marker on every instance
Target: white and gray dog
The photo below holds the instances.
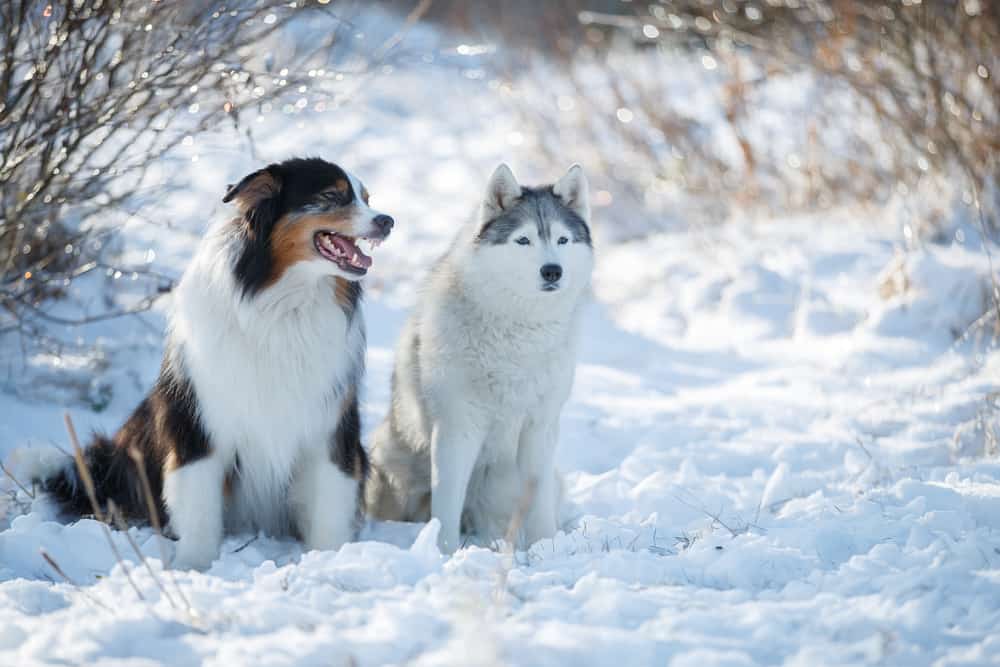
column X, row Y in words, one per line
column 484, row 366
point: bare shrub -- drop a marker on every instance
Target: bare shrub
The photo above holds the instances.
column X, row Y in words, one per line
column 94, row 97
column 696, row 106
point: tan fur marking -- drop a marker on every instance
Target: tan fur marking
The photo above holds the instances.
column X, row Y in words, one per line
column 260, row 188
column 169, row 463
column 342, row 289
column 292, row 239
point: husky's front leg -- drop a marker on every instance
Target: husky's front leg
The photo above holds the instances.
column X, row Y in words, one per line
column 324, row 502
column 455, row 446
column 535, row 462
column 193, row 495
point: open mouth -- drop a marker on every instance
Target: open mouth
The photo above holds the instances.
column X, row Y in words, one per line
column 550, row 287
column 344, row 251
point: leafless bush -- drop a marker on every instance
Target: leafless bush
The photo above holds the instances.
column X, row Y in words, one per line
column 775, row 104
column 94, row 97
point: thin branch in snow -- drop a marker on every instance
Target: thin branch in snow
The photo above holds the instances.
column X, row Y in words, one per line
column 513, row 530
column 83, row 468
column 21, row 486
column 119, row 520
column 55, row 566
column 154, row 518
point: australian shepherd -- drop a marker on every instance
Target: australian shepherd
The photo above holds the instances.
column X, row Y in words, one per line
column 253, row 422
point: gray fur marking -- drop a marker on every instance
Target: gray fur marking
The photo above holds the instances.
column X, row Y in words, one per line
column 541, row 206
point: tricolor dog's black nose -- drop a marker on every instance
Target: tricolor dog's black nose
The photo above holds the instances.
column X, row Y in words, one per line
column 551, row 273
column 384, row 223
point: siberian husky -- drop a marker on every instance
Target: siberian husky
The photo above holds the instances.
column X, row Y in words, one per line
column 484, row 366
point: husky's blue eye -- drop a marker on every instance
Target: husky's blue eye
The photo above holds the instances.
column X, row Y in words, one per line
column 562, row 240
column 522, row 241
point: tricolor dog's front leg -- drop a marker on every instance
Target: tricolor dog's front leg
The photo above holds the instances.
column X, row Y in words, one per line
column 327, row 485
column 193, row 495
column 324, row 503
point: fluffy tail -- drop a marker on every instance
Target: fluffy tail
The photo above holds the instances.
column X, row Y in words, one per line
column 114, row 473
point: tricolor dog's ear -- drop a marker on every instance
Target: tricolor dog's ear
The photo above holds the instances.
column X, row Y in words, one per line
column 254, row 189
column 501, row 192
column 573, row 191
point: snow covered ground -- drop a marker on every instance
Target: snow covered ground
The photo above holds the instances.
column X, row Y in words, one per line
column 776, row 452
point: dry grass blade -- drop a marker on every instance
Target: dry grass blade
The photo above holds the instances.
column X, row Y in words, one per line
column 154, row 518
column 119, row 520
column 82, row 468
column 411, row 20
column 88, row 483
column 523, row 505
column 121, row 561
column 513, row 530
column 10, row 476
column 55, row 566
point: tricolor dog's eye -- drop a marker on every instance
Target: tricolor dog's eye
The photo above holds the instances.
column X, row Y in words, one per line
column 522, row 241
column 562, row 240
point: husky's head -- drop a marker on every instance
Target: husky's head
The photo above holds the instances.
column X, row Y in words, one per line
column 535, row 241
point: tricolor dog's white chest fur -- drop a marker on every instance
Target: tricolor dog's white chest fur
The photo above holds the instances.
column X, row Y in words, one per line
column 270, row 376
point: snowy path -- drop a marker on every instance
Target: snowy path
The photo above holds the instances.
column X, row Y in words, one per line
column 771, row 480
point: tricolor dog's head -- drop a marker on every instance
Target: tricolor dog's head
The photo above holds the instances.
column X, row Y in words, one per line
column 305, row 213
column 535, row 241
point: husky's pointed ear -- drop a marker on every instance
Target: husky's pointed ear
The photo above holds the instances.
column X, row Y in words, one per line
column 261, row 185
column 501, row 192
column 573, row 190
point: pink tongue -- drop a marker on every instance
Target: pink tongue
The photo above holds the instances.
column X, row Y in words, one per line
column 350, row 249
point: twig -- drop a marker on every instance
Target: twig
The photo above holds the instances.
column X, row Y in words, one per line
column 717, row 518
column 55, row 566
column 245, row 544
column 411, row 19
column 154, row 518
column 15, row 480
column 83, row 468
column 119, row 520
column 88, row 484
column 513, row 529
column 986, row 244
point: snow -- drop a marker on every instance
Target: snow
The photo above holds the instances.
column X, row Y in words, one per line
column 777, row 451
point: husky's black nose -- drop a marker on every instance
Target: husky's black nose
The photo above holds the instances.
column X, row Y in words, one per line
column 384, row 223
column 551, row 273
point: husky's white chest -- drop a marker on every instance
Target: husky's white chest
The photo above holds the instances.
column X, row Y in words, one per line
column 516, row 369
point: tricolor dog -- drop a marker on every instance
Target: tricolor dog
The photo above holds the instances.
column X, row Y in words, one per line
column 253, row 423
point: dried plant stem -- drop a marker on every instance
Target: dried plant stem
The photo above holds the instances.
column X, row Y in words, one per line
column 82, row 468
column 115, row 513
column 513, row 529
column 88, row 483
column 10, row 475
column 55, row 566
column 154, row 518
